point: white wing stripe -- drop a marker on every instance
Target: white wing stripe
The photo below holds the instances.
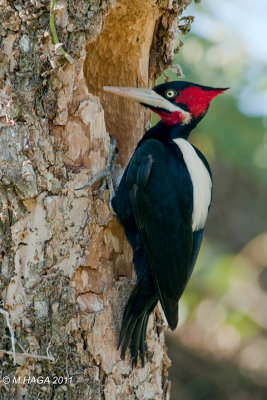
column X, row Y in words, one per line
column 201, row 182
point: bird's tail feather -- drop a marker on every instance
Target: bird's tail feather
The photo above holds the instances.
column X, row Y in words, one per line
column 134, row 322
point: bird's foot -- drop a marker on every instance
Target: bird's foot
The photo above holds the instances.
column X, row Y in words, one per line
column 106, row 175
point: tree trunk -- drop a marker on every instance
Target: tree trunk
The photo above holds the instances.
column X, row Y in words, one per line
column 66, row 268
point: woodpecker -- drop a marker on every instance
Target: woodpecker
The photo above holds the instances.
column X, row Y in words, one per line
column 162, row 202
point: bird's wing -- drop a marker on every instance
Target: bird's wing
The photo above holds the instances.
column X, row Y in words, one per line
column 161, row 195
column 197, row 239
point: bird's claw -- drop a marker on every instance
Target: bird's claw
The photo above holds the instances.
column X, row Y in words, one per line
column 106, row 174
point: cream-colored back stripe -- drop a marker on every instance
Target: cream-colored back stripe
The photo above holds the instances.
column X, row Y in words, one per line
column 201, row 182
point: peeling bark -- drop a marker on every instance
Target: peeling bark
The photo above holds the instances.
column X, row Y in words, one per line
column 65, row 271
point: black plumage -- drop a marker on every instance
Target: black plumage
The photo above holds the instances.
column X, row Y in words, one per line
column 154, row 203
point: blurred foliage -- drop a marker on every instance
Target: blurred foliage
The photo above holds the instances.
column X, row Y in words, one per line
column 197, row 376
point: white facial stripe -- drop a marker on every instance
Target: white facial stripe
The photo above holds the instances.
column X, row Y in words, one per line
column 172, row 108
column 201, row 182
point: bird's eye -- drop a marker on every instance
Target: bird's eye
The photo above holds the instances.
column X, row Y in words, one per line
column 171, row 93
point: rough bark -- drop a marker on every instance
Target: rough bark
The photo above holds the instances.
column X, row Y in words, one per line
column 66, row 268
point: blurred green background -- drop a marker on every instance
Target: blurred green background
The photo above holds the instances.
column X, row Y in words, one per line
column 220, row 348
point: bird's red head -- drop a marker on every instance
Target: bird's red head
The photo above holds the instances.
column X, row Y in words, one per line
column 190, row 97
column 197, row 99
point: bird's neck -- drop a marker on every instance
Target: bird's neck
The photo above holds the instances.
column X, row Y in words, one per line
column 167, row 133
